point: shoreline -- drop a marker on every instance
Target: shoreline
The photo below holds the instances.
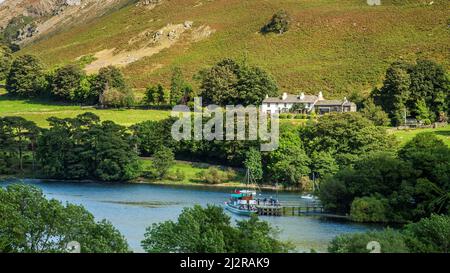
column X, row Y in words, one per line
column 141, row 181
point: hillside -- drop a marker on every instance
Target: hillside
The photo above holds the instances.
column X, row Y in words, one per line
column 338, row 46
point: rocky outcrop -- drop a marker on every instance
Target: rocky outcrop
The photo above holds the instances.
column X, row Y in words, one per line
column 48, row 15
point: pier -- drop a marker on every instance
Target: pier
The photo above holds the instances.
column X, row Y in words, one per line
column 296, row 211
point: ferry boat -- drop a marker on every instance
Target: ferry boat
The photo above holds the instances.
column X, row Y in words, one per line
column 245, row 202
column 242, row 202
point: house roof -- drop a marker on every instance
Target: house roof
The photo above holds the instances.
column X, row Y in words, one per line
column 292, row 99
column 334, row 103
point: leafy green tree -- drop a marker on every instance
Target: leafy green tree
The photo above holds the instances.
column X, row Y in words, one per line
column 346, row 136
column 375, row 113
column 429, row 235
column 26, row 77
column 232, row 83
column 155, row 95
column 423, row 113
column 162, row 160
column 369, row 209
column 32, row 224
column 66, row 81
column 114, row 97
column 279, row 23
column 208, row 230
column 390, row 241
column 289, row 163
column 5, row 61
column 108, row 78
column 430, row 158
column 253, row 164
column 180, row 91
column 18, row 137
column 379, row 174
column 430, row 84
column 323, row 164
column 154, row 134
column 395, row 92
column 85, row 148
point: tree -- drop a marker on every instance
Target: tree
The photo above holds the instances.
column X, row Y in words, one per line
column 429, row 235
column 180, row 91
column 155, row 95
column 346, row 136
column 154, row 134
column 232, row 83
column 26, row 77
column 208, row 230
column 395, row 92
column 67, row 81
column 85, row 148
column 5, row 61
column 377, row 174
column 390, row 241
column 323, row 164
column 279, row 23
column 32, row 224
column 423, row 113
column 108, row 78
column 254, row 165
column 289, row 163
column 375, row 113
column 17, row 137
column 113, row 97
column 369, row 209
column 430, row 84
column 162, row 160
column 430, row 158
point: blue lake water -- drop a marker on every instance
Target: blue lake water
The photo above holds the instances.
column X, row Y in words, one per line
column 133, row 207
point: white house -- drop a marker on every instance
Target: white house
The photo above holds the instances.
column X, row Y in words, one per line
column 307, row 103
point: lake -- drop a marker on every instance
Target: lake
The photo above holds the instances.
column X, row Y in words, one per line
column 133, row 207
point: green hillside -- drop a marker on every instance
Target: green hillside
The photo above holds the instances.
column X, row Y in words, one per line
column 338, row 46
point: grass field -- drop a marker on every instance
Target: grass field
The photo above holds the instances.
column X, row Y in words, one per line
column 406, row 135
column 39, row 111
column 335, row 46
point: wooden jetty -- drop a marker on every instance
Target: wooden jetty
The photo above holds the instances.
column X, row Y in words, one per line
column 314, row 209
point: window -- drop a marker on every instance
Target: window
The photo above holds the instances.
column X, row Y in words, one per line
column 268, row 105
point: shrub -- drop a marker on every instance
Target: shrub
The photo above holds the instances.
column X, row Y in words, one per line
column 368, row 209
column 429, row 235
column 279, row 23
column 390, row 241
column 214, row 175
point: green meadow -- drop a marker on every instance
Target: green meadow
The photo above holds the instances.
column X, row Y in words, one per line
column 406, row 135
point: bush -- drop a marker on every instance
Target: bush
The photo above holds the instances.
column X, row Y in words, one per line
column 162, row 160
column 300, row 116
column 113, row 97
column 279, row 23
column 178, row 175
column 214, row 175
column 368, row 209
column 429, row 235
column 390, row 241
column 283, row 116
column 289, row 116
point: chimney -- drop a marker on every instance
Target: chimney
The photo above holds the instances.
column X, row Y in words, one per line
column 302, row 96
column 267, row 96
column 284, row 96
column 320, row 96
column 345, row 99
